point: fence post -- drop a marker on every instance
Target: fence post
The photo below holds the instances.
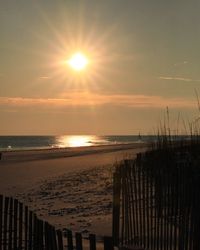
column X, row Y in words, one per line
column 79, row 245
column 116, row 206
column 60, row 239
column 108, row 243
column 70, row 240
column 92, row 239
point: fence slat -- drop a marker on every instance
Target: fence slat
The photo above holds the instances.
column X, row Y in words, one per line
column 144, row 217
column 26, row 228
column 92, row 239
column 134, row 222
column 35, row 233
column 40, row 234
column 60, row 239
column 10, row 237
column 46, row 235
column 5, row 238
column 151, row 209
column 116, row 206
column 79, row 245
column 30, row 231
column 108, row 243
column 135, row 188
column 20, row 225
column 123, row 208
column 70, row 240
column 1, row 216
column 15, row 222
column 53, row 235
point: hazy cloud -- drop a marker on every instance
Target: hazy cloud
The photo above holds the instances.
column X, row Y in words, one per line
column 84, row 99
column 44, row 77
column 181, row 63
column 178, row 79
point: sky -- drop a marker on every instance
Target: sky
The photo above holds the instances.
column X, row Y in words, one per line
column 144, row 57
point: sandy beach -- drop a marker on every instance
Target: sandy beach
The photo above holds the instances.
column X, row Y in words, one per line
column 70, row 188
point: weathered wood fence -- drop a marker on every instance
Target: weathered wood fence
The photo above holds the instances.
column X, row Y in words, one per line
column 157, row 200
column 20, row 228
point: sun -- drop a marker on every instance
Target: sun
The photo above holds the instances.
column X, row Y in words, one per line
column 78, row 61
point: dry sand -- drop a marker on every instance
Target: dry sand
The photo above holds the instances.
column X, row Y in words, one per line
column 70, row 188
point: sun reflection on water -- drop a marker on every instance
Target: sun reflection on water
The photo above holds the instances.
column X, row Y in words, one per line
column 76, row 141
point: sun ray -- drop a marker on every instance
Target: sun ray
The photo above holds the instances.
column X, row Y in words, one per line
column 89, row 73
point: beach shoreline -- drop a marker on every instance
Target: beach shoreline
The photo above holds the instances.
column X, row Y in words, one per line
column 70, row 188
column 51, row 153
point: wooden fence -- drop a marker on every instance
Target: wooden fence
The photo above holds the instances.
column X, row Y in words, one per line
column 157, row 201
column 20, row 228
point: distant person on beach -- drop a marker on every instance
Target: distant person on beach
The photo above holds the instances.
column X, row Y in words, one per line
column 0, row 155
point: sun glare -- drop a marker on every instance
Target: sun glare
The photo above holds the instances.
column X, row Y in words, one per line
column 78, row 61
column 76, row 141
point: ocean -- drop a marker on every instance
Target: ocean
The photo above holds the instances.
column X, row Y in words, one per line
column 10, row 143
